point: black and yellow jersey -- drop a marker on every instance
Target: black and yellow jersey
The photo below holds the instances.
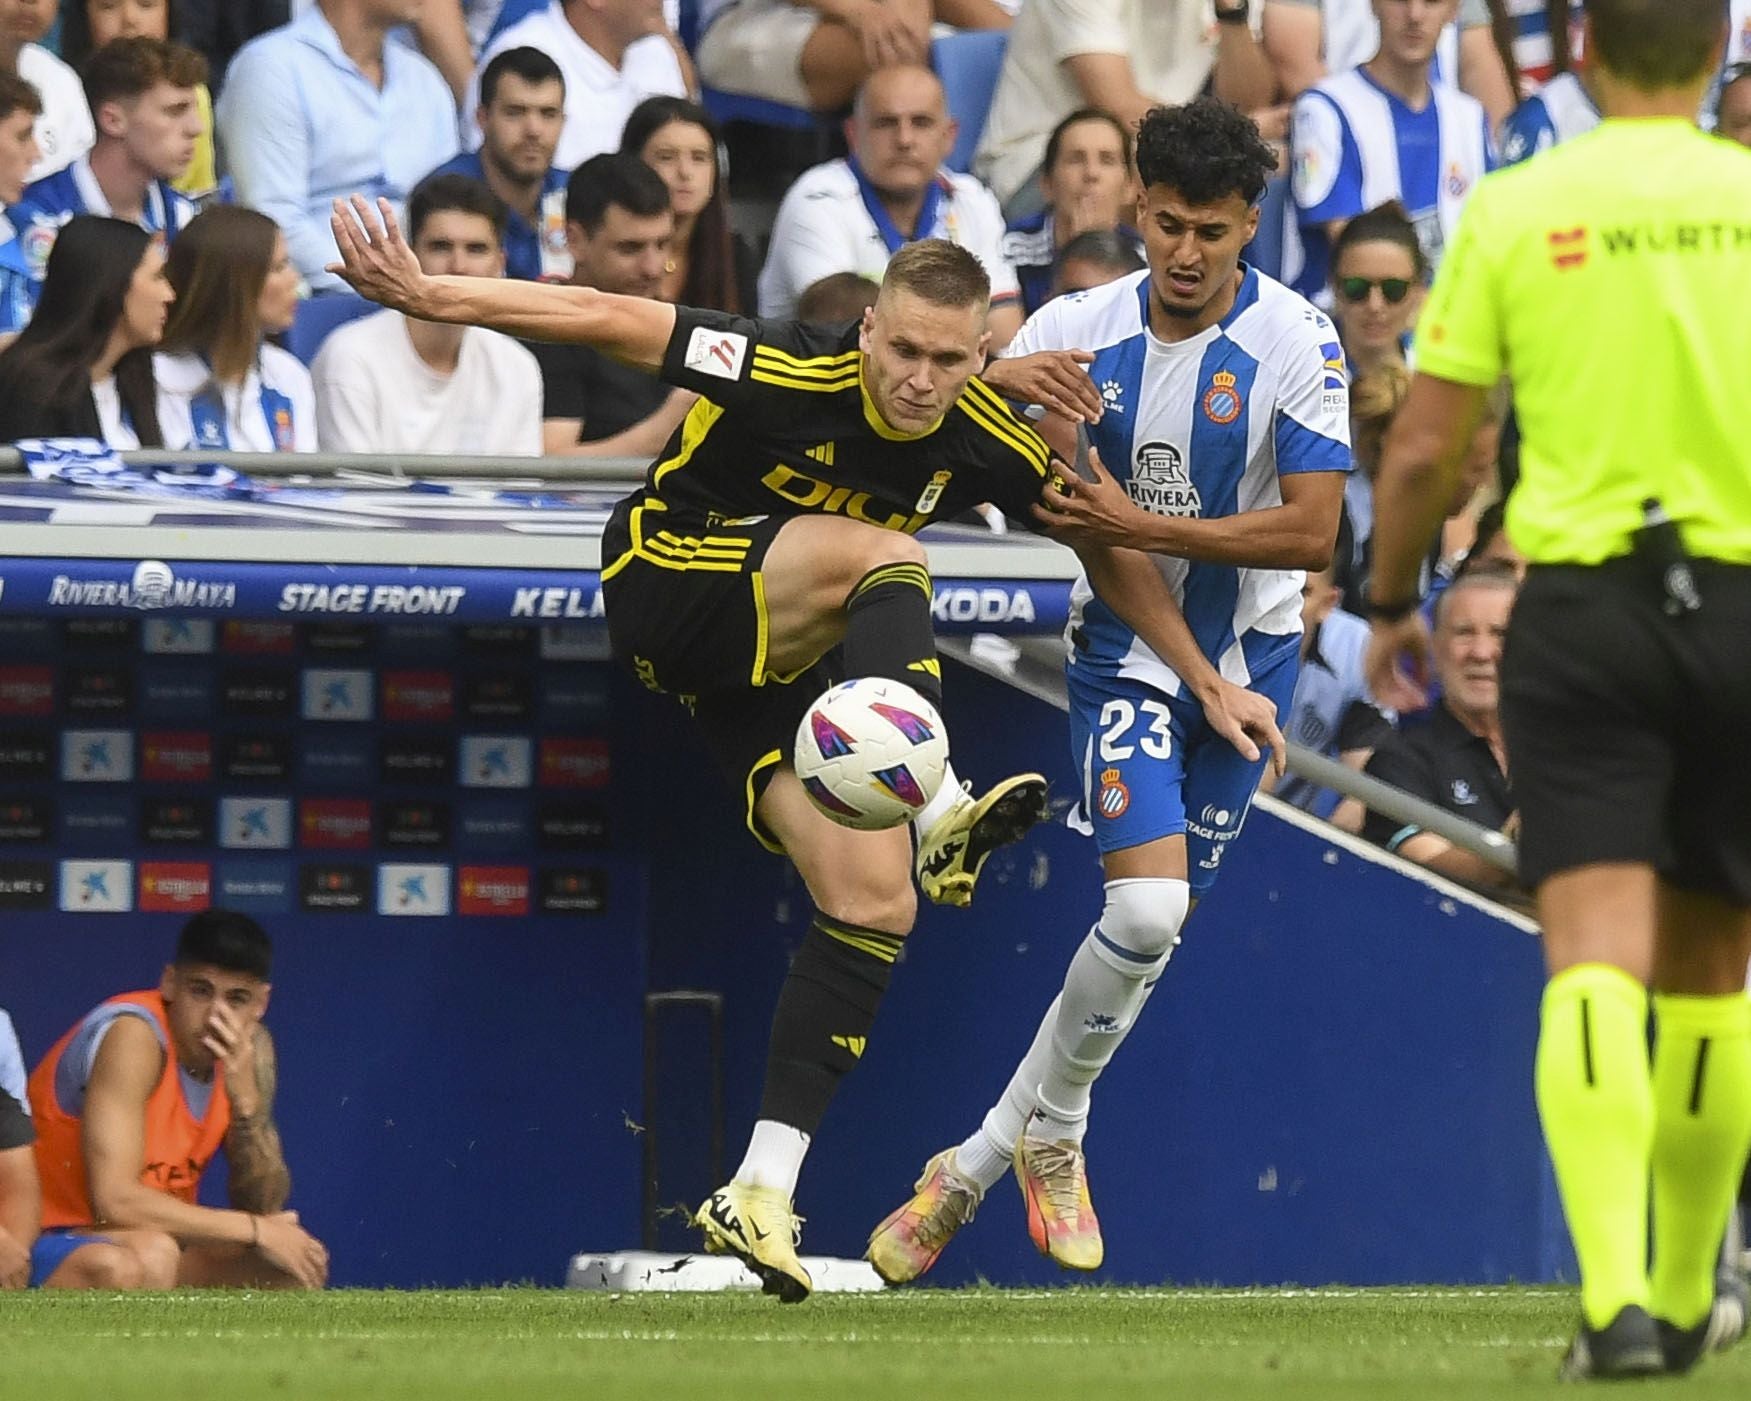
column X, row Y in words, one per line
column 785, row 426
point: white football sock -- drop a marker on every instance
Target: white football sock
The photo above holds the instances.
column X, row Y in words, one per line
column 775, row 1156
column 945, row 798
column 989, row 1150
column 1104, row 991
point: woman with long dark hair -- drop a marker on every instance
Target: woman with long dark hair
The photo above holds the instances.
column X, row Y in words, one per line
column 83, row 367
column 87, row 25
column 219, row 384
column 680, row 140
column 1379, row 274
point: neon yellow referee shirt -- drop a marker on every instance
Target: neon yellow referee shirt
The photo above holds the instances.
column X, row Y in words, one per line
column 1610, row 279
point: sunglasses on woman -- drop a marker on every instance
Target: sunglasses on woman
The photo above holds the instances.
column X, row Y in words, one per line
column 1356, row 289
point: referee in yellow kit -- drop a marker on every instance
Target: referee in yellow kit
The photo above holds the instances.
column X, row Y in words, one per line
column 1610, row 280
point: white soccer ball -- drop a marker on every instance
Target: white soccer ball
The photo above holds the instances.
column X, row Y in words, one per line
column 871, row 753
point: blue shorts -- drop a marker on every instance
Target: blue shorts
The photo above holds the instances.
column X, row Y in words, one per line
column 1152, row 767
column 52, row 1249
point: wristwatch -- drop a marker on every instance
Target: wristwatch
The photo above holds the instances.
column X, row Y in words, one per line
column 1233, row 14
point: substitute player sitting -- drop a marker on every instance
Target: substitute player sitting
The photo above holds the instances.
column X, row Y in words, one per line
column 1226, row 427
column 776, row 526
column 132, row 1103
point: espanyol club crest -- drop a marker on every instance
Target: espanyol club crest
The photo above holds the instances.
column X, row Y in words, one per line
column 1222, row 401
column 1457, row 184
column 1114, row 797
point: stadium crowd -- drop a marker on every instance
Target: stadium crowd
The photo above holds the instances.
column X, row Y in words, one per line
column 168, row 169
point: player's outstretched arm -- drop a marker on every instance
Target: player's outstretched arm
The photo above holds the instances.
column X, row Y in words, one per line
column 377, row 263
column 1129, row 584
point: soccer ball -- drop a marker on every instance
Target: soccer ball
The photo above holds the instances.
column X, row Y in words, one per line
column 871, row 753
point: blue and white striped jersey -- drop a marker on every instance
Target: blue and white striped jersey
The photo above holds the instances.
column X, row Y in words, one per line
column 1356, row 146
column 1204, row 427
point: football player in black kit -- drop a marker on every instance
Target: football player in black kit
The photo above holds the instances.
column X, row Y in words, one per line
column 779, row 526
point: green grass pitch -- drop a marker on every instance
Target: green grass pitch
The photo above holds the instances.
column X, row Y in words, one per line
column 1065, row 1345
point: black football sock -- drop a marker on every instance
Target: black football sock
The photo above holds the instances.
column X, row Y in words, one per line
column 888, row 630
column 824, row 1015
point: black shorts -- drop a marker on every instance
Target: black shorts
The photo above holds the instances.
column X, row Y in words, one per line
column 1627, row 729
column 686, row 613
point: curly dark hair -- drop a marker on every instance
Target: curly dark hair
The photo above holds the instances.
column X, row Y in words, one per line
column 1204, row 151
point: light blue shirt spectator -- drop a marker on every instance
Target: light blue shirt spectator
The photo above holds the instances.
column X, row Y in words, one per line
column 301, row 125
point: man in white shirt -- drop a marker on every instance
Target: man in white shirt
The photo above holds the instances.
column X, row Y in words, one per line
column 64, row 130
column 1121, row 56
column 853, row 215
column 327, row 105
column 389, row 384
column 612, row 53
column 817, row 53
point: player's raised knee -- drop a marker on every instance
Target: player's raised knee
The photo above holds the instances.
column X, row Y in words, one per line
column 890, row 906
column 1140, row 924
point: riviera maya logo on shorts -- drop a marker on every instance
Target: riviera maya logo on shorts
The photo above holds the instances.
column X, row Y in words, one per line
column 154, row 585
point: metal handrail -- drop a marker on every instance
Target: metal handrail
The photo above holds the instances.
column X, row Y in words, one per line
column 1039, row 671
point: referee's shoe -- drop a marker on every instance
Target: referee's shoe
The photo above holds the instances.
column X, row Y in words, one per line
column 952, row 853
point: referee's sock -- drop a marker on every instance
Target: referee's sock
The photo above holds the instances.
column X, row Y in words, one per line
column 825, row 1012
column 1596, row 1101
column 1702, row 1131
column 888, row 631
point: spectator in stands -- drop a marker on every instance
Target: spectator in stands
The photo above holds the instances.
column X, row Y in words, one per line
column 852, row 215
column 142, row 94
column 1383, row 132
column 816, row 54
column 220, row 385
column 1536, row 39
column 1307, row 40
column 1086, row 181
column 1375, row 399
column 1453, row 754
column 19, row 109
column 1121, row 56
column 388, row 384
column 132, row 1103
column 219, row 28
column 620, row 227
column 836, row 298
column 88, row 25
column 83, row 367
column 522, row 109
column 1333, row 712
column 1379, row 274
column 1491, row 548
column 328, row 107
column 708, row 266
column 613, row 53
column 1094, row 259
column 1733, row 110
column 63, row 129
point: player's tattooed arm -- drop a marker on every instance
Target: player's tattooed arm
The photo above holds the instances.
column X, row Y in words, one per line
column 260, row 1179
